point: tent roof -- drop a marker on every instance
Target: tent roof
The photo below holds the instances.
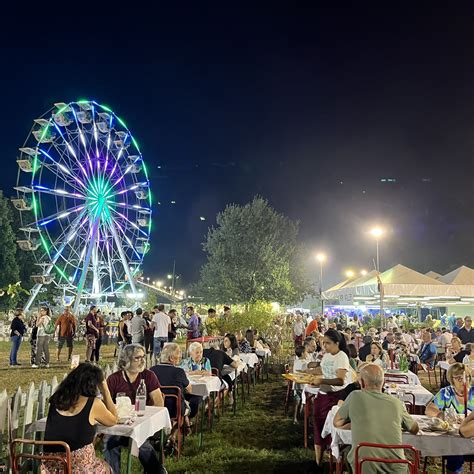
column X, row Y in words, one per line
column 461, row 276
column 401, row 275
column 433, row 274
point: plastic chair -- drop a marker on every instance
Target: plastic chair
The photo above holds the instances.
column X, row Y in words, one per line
column 413, row 465
column 410, row 404
column 179, row 418
column 60, row 459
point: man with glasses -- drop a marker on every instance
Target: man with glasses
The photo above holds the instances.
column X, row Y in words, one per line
column 466, row 333
column 131, row 371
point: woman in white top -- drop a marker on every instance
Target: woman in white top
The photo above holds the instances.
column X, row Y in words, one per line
column 42, row 341
column 336, row 375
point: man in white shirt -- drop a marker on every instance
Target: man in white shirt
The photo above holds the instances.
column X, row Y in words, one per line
column 161, row 323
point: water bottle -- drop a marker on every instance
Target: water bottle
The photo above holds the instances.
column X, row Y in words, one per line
column 140, row 399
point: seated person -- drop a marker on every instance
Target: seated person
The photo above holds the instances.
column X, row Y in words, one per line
column 455, row 352
column 453, row 396
column 131, row 371
column 169, row 374
column 247, row 345
column 351, row 349
column 364, row 351
column 73, row 413
column 218, row 360
column 196, row 363
column 374, row 417
column 230, row 346
column 378, row 356
column 427, row 352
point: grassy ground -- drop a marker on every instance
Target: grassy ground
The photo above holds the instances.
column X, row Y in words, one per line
column 258, row 439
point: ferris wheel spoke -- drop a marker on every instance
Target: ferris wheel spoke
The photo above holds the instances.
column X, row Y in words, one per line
column 62, row 171
column 59, row 215
column 135, row 226
column 38, row 188
column 123, row 257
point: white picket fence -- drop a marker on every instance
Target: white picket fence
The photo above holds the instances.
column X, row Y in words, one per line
column 28, row 407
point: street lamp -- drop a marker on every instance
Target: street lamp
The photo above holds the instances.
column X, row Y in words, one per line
column 349, row 273
column 159, row 284
column 377, row 233
column 363, row 272
column 321, row 258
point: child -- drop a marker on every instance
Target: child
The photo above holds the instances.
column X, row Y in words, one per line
column 300, row 363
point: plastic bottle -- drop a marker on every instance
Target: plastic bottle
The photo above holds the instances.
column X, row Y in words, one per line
column 140, row 399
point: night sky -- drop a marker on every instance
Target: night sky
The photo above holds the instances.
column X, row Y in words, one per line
column 309, row 107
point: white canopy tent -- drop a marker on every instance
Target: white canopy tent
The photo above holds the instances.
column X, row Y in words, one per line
column 404, row 286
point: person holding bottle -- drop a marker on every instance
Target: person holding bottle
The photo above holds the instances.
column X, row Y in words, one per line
column 131, row 373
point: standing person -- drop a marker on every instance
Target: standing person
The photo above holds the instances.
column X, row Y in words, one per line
column 17, row 330
column 162, row 326
column 336, row 375
column 74, row 411
column 173, row 318
column 131, row 371
column 298, row 330
column 42, row 344
column 33, row 337
column 67, row 325
column 98, row 342
column 375, row 417
column 148, row 332
column 466, row 333
column 138, row 325
column 124, row 336
column 92, row 332
column 193, row 323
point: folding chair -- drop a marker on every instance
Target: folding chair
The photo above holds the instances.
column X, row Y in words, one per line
column 167, row 391
column 412, row 465
column 396, row 378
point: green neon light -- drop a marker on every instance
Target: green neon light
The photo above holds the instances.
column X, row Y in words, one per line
column 62, row 109
column 120, row 121
column 83, row 101
column 136, row 144
column 145, row 170
column 45, row 244
column 34, row 205
column 99, row 198
column 107, row 109
column 61, row 272
column 44, row 132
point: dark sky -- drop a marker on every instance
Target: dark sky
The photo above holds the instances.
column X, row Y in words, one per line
column 308, row 107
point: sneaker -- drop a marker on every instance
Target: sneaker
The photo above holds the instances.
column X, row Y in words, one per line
column 47, row 366
column 34, row 366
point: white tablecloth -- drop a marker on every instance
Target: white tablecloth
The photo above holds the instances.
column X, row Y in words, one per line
column 263, row 352
column 155, row 419
column 430, row 444
column 422, row 395
column 204, row 385
column 250, row 359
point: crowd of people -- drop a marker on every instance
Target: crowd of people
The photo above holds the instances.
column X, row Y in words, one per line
column 348, row 365
column 146, row 354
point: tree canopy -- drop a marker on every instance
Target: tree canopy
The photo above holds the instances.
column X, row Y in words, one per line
column 253, row 255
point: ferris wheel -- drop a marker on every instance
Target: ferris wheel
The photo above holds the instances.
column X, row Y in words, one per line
column 85, row 202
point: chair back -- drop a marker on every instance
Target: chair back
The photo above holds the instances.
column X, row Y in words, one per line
column 16, row 458
column 413, row 465
column 396, row 378
column 173, row 392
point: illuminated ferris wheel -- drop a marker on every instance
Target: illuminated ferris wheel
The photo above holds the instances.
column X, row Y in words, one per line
column 85, row 203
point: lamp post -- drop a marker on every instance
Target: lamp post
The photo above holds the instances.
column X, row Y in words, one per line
column 321, row 258
column 377, row 233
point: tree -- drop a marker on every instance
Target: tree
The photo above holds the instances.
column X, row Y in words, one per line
column 10, row 271
column 253, row 255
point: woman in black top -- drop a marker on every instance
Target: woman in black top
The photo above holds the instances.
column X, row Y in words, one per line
column 73, row 413
column 17, row 330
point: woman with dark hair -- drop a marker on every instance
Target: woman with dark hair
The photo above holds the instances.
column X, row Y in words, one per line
column 73, row 413
column 336, row 375
column 377, row 355
column 230, row 345
column 247, row 345
column 352, row 353
column 17, row 330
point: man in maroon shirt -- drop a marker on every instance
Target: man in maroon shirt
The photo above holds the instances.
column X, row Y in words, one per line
column 131, row 371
